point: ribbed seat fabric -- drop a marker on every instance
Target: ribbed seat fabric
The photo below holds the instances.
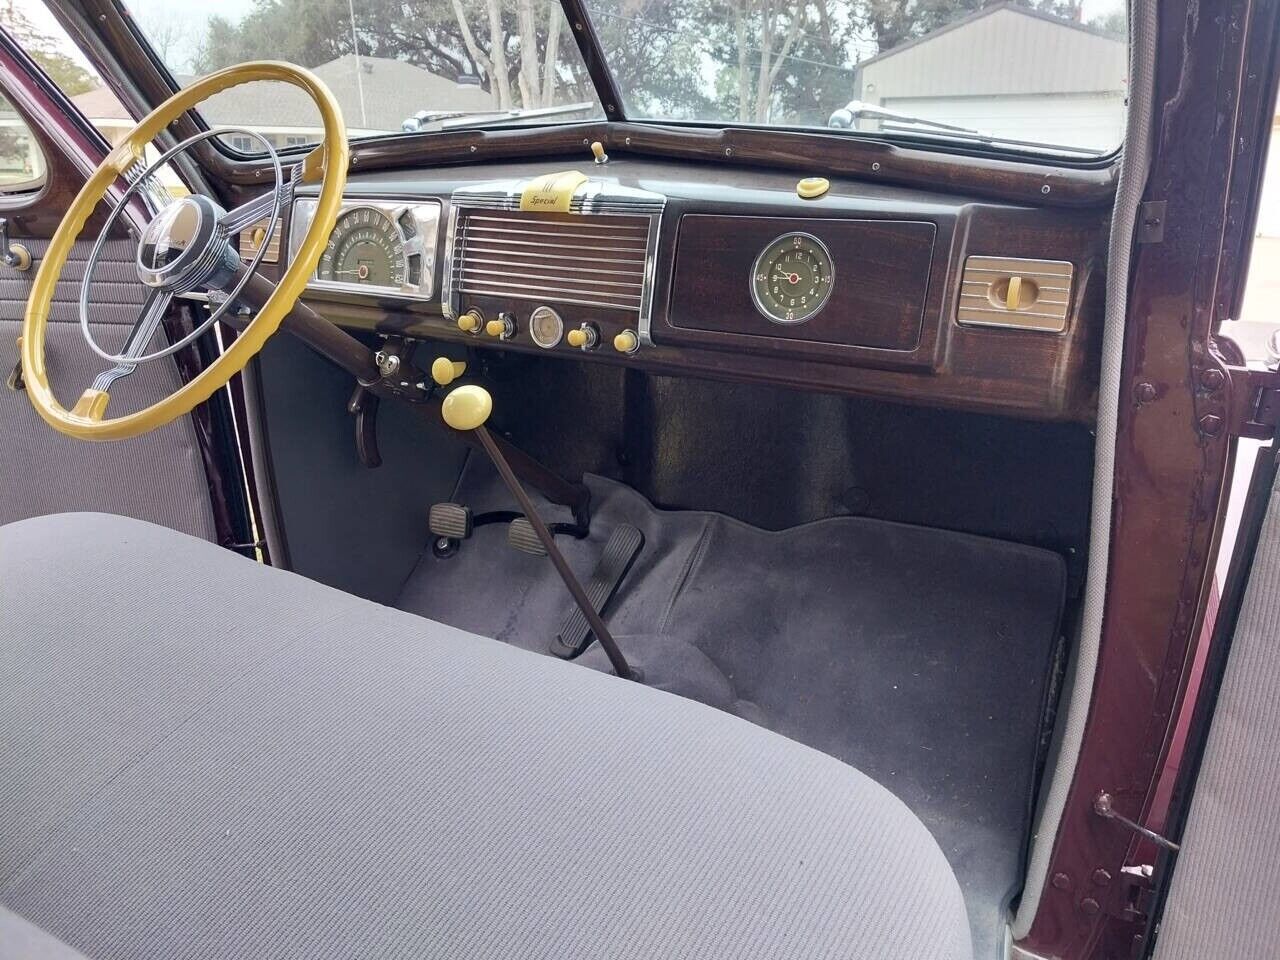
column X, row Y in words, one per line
column 203, row 757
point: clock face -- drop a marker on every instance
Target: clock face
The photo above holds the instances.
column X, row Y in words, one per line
column 792, row 278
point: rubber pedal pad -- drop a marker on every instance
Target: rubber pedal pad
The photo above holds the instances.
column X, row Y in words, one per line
column 451, row 520
column 620, row 552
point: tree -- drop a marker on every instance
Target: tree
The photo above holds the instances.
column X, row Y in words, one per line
column 514, row 46
column 70, row 76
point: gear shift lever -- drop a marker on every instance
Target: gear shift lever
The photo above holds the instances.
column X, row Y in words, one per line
column 466, row 409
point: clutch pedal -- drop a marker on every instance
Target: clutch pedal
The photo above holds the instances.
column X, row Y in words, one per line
column 451, row 520
column 620, row 553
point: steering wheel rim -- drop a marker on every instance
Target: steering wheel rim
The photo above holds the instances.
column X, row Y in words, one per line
column 326, row 163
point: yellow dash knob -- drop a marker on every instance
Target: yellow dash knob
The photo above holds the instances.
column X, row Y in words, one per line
column 597, row 151
column 811, row 188
column 258, row 237
column 495, row 328
column 1013, row 298
column 576, row 338
column 626, row 342
column 444, row 371
column 471, row 321
column 467, row 407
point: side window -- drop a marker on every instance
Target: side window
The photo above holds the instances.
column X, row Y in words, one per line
column 21, row 162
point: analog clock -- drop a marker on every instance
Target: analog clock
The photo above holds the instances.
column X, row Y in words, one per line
column 792, row 278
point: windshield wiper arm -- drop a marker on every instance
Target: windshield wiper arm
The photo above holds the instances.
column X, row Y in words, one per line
column 844, row 118
column 471, row 120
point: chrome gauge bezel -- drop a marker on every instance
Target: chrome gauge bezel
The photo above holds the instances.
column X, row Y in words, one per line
column 426, row 221
column 544, row 311
column 764, row 310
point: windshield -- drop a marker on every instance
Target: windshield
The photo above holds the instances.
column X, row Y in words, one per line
column 1038, row 75
column 393, row 66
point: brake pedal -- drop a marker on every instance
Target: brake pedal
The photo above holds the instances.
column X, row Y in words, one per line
column 450, row 520
column 620, row 553
column 522, row 536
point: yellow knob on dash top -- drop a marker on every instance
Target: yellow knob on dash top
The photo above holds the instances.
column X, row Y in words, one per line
column 626, row 342
column 444, row 371
column 810, row 188
column 467, row 407
column 597, row 151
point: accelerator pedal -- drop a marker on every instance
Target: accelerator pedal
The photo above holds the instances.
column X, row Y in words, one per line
column 620, row 552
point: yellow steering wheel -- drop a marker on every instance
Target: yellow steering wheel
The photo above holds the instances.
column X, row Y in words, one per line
column 201, row 222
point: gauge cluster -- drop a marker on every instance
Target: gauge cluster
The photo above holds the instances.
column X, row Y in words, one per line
column 381, row 247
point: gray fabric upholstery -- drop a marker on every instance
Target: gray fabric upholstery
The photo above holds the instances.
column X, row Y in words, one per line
column 158, row 477
column 1225, row 886
column 203, row 757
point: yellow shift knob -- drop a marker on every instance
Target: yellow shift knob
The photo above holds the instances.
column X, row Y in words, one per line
column 444, row 371
column 626, row 342
column 467, row 407
column 471, row 321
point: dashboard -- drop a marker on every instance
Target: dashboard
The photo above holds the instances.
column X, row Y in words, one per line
column 841, row 285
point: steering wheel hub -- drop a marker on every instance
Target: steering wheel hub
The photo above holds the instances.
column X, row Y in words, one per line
column 185, row 246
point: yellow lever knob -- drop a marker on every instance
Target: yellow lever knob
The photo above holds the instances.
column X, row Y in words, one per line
column 467, row 407
column 444, row 371
column 471, row 321
column 581, row 337
column 495, row 328
column 597, row 151
column 626, row 342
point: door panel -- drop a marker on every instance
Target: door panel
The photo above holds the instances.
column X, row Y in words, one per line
column 1225, row 887
column 158, row 477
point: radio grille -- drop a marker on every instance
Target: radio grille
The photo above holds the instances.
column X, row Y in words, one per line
column 593, row 260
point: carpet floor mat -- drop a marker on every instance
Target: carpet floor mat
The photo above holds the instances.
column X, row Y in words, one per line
column 919, row 656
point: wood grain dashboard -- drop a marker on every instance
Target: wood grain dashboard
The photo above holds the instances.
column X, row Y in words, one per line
column 889, row 330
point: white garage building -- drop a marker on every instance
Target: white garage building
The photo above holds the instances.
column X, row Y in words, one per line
column 1009, row 72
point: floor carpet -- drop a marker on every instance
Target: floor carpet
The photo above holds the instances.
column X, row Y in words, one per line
column 919, row 656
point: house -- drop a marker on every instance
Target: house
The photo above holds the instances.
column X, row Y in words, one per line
column 1010, row 72
column 376, row 95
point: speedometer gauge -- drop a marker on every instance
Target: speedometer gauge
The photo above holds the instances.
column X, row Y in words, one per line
column 792, row 278
column 365, row 247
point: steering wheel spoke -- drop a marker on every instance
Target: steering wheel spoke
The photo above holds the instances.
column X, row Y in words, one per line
column 144, row 328
column 260, row 207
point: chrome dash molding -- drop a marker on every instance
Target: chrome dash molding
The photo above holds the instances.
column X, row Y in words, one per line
column 426, row 217
column 594, row 197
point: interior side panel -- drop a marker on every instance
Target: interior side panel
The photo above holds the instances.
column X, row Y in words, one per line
column 158, row 477
column 352, row 527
